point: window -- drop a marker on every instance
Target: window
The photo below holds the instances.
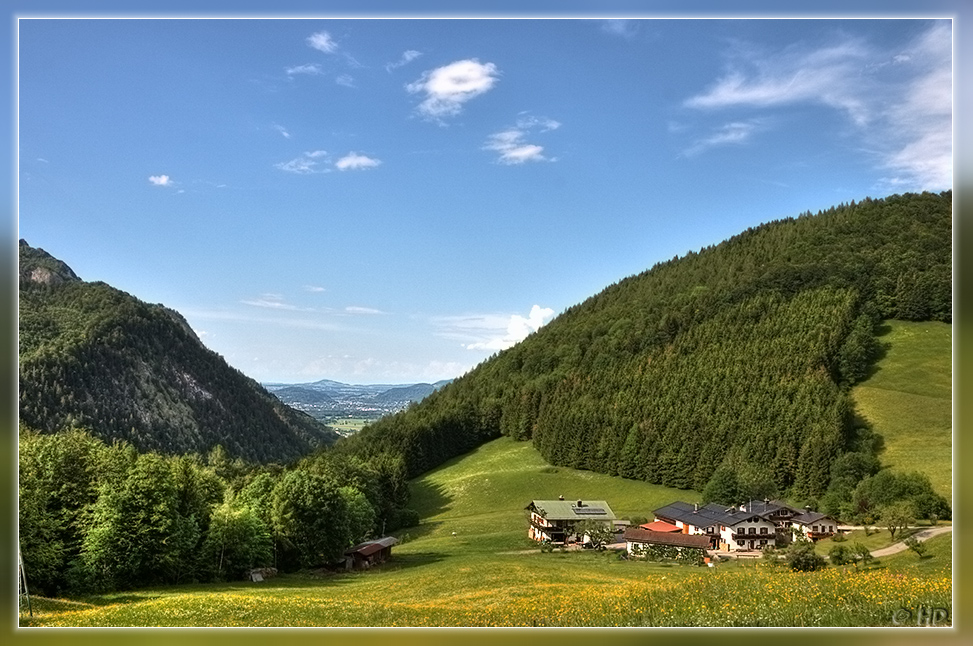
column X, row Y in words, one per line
column 763, row 530
column 753, row 530
column 763, row 541
column 814, row 528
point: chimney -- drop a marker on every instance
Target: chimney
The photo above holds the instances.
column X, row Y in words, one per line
column 695, row 507
column 580, row 504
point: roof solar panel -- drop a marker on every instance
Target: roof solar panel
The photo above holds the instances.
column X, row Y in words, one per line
column 589, row 511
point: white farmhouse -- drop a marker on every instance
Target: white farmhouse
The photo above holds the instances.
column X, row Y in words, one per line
column 814, row 525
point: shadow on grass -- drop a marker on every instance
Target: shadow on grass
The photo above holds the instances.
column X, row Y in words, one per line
column 410, row 561
column 429, row 500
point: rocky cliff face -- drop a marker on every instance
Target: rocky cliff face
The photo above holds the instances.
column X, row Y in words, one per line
column 39, row 267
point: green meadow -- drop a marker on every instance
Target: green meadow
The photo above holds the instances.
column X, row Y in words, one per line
column 470, row 563
column 908, row 400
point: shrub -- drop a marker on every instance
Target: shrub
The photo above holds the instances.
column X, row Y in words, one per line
column 917, row 546
column 839, row 554
column 801, row 557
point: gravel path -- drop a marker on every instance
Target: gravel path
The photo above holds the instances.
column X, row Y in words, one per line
column 921, row 535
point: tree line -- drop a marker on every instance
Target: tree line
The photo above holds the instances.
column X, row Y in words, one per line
column 95, row 516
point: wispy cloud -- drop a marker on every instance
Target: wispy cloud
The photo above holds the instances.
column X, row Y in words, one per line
column 346, row 80
column 318, row 161
column 492, row 332
column 796, row 75
column 354, row 368
column 626, row 28
column 308, row 163
column 281, row 320
column 355, row 309
column 314, row 288
column 354, row 161
column 310, row 68
column 161, row 180
column 735, row 133
column 447, row 88
column 323, row 42
column 282, row 130
column 898, row 101
column 271, row 301
column 511, row 144
column 921, row 157
column 407, row 57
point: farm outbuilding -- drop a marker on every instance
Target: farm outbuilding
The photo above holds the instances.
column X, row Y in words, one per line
column 364, row 555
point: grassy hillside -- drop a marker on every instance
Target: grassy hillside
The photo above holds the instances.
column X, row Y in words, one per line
column 908, row 400
column 481, row 496
column 489, row 574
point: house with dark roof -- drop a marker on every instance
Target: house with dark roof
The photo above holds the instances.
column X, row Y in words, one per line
column 693, row 519
column 555, row 521
column 751, row 526
column 814, row 525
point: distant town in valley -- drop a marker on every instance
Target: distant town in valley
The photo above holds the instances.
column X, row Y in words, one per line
column 348, row 407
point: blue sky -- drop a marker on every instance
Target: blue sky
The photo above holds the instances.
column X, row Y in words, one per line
column 391, row 201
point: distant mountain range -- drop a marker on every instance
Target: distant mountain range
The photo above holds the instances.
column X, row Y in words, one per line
column 327, row 399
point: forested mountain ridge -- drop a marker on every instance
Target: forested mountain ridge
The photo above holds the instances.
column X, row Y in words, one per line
column 731, row 363
column 95, row 357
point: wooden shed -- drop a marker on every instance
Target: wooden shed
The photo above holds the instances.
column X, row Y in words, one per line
column 364, row 555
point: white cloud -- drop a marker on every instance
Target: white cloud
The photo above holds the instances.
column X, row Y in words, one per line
column 322, row 41
column 314, row 288
column 529, row 122
column 518, row 328
column 282, row 130
column 899, row 102
column 347, row 80
column 447, row 88
column 271, row 301
column 827, row 75
column 407, row 57
column 310, row 68
column 737, row 132
column 161, row 180
column 309, row 162
column 492, row 332
column 920, row 123
column 511, row 143
column 354, row 161
column 354, row 309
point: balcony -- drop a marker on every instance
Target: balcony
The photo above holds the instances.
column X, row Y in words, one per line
column 740, row 536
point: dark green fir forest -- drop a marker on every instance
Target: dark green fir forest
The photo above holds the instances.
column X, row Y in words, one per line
column 145, row 459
